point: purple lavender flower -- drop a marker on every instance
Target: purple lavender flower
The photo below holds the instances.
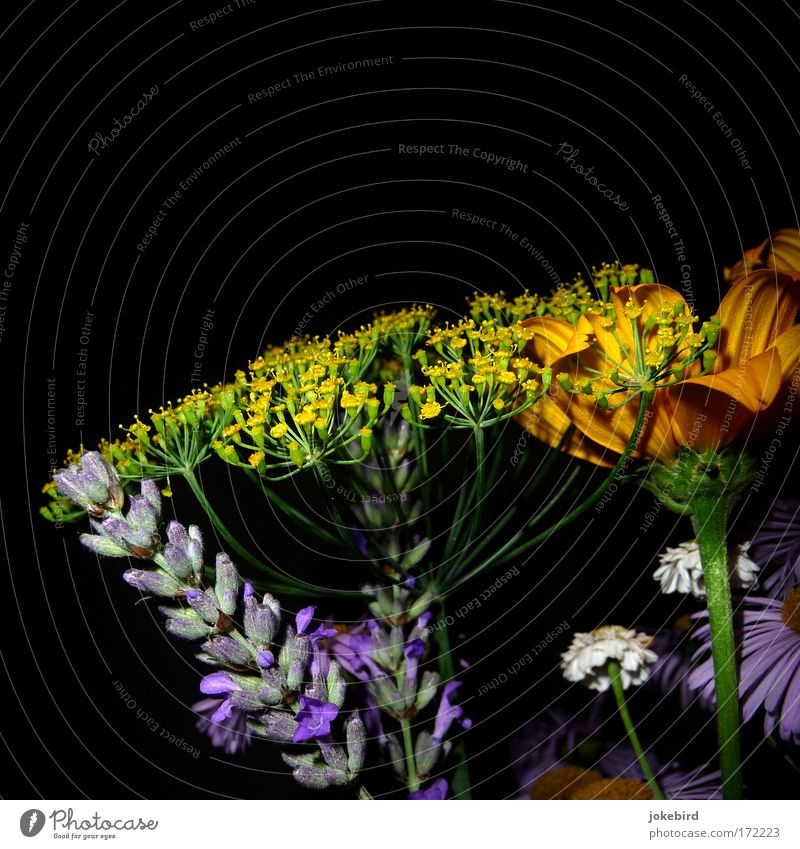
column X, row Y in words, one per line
column 769, row 673
column 775, row 544
column 436, row 791
column 230, row 734
column 448, row 713
column 314, row 718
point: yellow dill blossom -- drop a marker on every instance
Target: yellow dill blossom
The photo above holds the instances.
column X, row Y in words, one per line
column 256, row 458
column 430, row 409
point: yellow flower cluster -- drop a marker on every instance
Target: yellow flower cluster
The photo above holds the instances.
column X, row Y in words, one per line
column 480, row 376
column 497, row 307
column 303, row 403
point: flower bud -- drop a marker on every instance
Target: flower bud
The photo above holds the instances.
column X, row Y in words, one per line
column 260, row 622
column 336, row 685
column 152, row 582
column 226, row 587
column 356, row 735
column 228, row 650
column 426, row 753
column 279, row 726
column 185, row 623
column 204, row 604
column 294, row 657
column 92, row 484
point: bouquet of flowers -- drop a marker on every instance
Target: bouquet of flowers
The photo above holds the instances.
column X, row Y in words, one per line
column 617, row 372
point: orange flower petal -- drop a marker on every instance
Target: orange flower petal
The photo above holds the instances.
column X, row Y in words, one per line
column 553, row 337
column 753, row 313
column 548, row 424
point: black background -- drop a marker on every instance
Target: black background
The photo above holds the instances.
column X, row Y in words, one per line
column 315, row 193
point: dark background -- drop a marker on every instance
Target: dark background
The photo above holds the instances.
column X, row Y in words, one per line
column 315, row 193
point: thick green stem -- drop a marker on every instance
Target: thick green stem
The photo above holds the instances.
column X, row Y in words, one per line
column 630, row 729
column 408, row 744
column 709, row 517
column 706, row 486
column 364, row 794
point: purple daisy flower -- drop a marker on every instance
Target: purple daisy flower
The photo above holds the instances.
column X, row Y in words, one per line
column 769, row 671
column 776, row 543
column 314, row 719
column 230, row 734
column 436, row 791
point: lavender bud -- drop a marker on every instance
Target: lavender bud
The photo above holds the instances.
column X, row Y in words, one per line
column 294, row 658
column 312, row 776
column 334, row 755
column 356, row 743
column 426, row 753
column 227, row 584
column 204, row 604
column 396, row 755
column 228, row 650
column 427, row 689
column 150, row 581
column 265, row 659
column 416, row 554
column 176, row 554
column 273, row 686
column 336, row 685
column 185, row 623
column 247, row 700
column 195, row 549
column 152, row 495
column 279, row 726
column 138, row 541
column 141, row 516
column 92, row 484
column 260, row 623
column 103, row 545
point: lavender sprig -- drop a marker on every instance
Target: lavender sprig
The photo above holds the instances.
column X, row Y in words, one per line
column 287, row 690
column 386, row 653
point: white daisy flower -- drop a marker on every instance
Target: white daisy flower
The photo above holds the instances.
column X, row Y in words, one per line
column 680, row 569
column 588, row 655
